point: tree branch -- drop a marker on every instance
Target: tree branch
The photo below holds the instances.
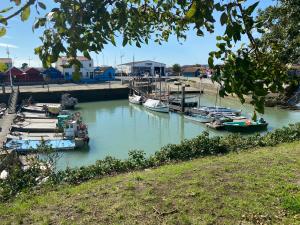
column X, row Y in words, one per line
column 28, row 4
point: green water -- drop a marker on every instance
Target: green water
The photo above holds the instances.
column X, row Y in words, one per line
column 116, row 127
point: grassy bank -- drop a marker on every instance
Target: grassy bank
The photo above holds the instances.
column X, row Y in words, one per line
column 260, row 186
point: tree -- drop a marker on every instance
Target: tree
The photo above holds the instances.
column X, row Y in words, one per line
column 176, row 69
column 282, row 30
column 248, row 71
column 3, row 67
column 24, row 66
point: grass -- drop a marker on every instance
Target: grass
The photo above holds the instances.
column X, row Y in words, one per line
column 261, row 186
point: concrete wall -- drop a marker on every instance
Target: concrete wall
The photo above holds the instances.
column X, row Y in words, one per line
column 81, row 95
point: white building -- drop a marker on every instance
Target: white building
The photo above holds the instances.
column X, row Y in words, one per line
column 86, row 69
column 141, row 68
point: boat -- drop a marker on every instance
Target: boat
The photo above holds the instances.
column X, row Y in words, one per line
column 156, row 105
column 245, row 126
column 135, row 99
column 68, row 102
column 215, row 109
column 33, row 145
column 199, row 118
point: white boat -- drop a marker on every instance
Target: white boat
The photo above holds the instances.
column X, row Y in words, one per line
column 156, row 105
column 199, row 118
column 135, row 99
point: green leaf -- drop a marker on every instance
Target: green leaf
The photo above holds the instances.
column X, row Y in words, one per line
column 192, row 11
column 223, row 18
column 87, row 54
column 42, row 5
column 2, row 31
column 251, row 8
column 211, row 62
column 25, row 14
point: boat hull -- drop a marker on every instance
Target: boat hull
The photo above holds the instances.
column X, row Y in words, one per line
column 245, row 128
column 199, row 118
column 156, row 109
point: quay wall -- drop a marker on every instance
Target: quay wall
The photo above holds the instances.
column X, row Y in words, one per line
column 91, row 95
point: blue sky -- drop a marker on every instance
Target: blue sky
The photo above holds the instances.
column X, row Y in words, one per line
column 22, row 41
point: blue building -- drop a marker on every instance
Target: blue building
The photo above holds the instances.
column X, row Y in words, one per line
column 53, row 74
column 191, row 72
column 104, row 74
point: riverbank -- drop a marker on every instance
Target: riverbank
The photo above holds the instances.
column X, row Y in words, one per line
column 259, row 186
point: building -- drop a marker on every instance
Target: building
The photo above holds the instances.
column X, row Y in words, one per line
column 104, row 73
column 17, row 75
column 191, row 71
column 33, row 75
column 141, row 68
column 86, row 69
column 7, row 62
column 52, row 74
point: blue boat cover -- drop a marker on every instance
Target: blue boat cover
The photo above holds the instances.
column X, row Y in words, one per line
column 30, row 145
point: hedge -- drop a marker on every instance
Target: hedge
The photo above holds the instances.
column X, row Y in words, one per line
column 201, row 146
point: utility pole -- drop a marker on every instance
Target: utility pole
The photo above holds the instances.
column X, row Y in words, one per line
column 11, row 83
column 29, row 59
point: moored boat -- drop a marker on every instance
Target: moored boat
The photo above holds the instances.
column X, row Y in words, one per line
column 245, row 126
column 156, row 105
column 135, row 99
column 199, row 118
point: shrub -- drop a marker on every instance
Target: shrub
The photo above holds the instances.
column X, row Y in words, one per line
column 201, row 146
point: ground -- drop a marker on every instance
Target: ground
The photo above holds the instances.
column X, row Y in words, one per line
column 260, row 186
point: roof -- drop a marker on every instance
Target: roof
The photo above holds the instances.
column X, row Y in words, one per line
column 103, row 69
column 190, row 69
column 80, row 58
column 6, row 60
column 144, row 61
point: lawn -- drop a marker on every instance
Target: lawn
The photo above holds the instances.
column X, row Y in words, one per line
column 260, row 186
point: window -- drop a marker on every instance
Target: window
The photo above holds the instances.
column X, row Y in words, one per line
column 90, row 64
column 91, row 75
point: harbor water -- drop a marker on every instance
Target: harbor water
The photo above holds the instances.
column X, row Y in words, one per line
column 116, row 127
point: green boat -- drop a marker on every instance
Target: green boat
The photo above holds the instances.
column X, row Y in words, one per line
column 245, row 126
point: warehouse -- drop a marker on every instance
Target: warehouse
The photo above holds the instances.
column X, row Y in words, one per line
column 141, row 68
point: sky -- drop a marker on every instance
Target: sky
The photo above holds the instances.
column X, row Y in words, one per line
column 21, row 41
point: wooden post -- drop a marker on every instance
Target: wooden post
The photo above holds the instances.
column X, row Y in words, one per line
column 3, row 89
column 182, row 98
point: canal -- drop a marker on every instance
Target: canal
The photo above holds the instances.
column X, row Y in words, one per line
column 116, row 127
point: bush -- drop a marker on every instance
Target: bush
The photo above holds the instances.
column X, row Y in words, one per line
column 201, row 146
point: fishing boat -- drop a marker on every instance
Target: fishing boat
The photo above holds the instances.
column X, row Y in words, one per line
column 156, row 105
column 245, row 126
column 199, row 118
column 135, row 99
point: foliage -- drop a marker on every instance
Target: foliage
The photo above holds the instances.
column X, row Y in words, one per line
column 176, row 68
column 24, row 66
column 200, row 146
column 93, row 24
column 3, row 67
column 76, row 74
column 282, row 30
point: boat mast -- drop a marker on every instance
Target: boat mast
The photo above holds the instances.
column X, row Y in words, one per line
column 160, row 84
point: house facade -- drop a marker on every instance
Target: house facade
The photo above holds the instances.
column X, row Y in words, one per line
column 86, row 69
column 104, row 74
column 52, row 74
column 141, row 68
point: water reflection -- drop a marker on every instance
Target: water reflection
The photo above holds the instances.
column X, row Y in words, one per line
column 116, row 127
